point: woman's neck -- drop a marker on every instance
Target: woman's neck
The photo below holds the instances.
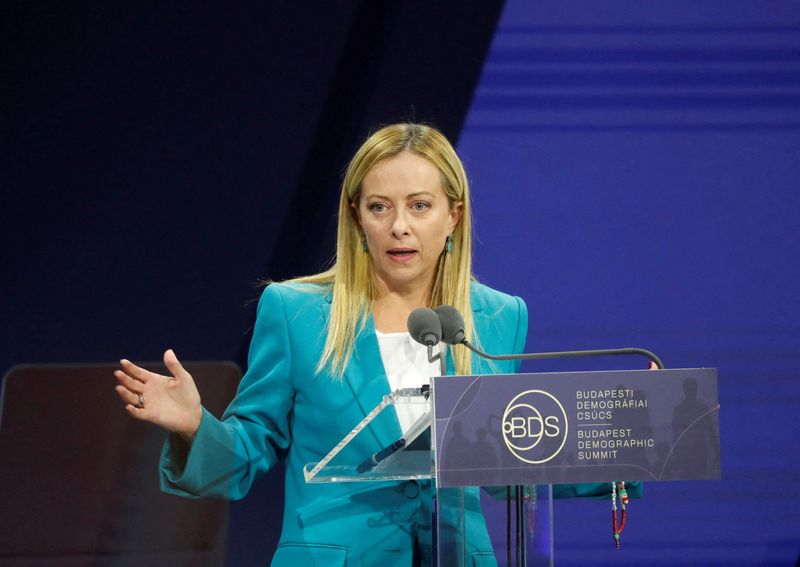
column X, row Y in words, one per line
column 390, row 310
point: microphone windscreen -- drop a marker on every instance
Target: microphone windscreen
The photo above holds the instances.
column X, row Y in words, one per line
column 424, row 326
column 452, row 324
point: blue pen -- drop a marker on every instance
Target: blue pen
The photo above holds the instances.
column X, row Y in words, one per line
column 384, row 453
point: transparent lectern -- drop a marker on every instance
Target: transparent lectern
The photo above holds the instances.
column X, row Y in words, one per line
column 470, row 525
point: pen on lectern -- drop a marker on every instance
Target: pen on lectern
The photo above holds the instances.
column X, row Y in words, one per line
column 384, row 453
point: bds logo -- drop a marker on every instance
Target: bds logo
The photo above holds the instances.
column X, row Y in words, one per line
column 535, row 426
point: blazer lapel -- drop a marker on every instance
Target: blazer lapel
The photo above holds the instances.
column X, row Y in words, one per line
column 479, row 319
column 366, row 377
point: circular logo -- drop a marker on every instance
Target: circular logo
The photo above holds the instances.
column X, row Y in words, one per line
column 535, row 426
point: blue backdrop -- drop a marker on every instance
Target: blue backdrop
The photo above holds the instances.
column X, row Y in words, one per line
column 634, row 171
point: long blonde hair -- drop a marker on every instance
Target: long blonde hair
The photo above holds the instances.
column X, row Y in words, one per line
column 351, row 275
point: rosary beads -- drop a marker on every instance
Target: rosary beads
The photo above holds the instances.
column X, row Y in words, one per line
column 623, row 504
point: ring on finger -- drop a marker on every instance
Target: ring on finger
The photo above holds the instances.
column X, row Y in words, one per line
column 141, row 400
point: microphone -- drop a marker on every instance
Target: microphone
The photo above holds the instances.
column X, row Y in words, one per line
column 452, row 324
column 424, row 326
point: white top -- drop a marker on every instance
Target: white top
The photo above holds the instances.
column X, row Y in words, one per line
column 406, row 364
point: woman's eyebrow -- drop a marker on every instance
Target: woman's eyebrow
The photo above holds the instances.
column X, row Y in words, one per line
column 409, row 196
column 419, row 193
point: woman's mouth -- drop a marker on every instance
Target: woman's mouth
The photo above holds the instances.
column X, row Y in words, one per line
column 401, row 254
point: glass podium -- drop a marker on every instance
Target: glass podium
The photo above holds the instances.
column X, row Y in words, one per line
column 471, row 525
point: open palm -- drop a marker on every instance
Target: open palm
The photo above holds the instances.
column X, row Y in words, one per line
column 171, row 402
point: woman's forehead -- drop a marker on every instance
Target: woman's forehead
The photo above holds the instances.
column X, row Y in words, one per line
column 404, row 174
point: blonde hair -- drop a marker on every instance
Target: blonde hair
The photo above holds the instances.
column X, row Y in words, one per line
column 351, row 275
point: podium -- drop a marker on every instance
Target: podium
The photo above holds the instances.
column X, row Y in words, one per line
column 516, row 436
column 460, row 534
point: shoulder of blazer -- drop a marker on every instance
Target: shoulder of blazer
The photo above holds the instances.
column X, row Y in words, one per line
column 501, row 326
column 492, row 302
column 298, row 295
column 304, row 307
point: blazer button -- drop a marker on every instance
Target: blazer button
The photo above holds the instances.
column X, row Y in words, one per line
column 411, row 489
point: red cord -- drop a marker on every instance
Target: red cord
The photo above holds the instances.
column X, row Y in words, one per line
column 623, row 500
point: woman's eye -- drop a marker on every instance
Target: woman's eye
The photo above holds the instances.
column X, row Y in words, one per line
column 420, row 206
column 377, row 207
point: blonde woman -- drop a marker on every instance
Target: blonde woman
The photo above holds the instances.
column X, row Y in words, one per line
column 325, row 350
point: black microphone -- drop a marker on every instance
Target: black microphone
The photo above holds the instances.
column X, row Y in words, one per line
column 452, row 324
column 424, row 326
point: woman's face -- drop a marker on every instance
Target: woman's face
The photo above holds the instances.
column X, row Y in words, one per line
column 406, row 217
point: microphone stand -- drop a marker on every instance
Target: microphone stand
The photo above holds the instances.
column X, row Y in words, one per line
column 566, row 354
column 441, row 356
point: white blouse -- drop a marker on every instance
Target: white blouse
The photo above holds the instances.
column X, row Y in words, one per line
column 406, row 364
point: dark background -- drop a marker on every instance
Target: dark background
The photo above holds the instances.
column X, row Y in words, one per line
column 159, row 160
column 634, row 172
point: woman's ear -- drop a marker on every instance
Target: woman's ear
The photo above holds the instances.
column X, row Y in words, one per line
column 456, row 212
column 356, row 215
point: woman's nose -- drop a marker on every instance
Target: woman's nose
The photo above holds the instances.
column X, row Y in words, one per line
column 400, row 225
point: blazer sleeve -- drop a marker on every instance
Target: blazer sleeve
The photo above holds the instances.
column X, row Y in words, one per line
column 521, row 332
column 254, row 433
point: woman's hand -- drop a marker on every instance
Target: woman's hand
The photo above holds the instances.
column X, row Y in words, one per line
column 171, row 402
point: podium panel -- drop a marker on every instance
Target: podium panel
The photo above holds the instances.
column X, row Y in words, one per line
column 577, row 427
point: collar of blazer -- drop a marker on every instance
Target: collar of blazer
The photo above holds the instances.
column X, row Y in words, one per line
column 366, row 377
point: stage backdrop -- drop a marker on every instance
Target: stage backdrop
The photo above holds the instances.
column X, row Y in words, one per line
column 635, row 173
column 158, row 161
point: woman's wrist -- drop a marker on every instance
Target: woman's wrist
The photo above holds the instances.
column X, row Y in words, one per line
column 189, row 434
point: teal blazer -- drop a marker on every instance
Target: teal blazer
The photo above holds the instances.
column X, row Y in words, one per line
column 285, row 410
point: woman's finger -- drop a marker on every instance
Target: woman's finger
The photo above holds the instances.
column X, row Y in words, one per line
column 137, row 372
column 129, row 383
column 130, row 398
column 137, row 412
column 174, row 366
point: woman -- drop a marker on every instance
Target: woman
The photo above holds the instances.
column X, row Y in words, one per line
column 326, row 349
